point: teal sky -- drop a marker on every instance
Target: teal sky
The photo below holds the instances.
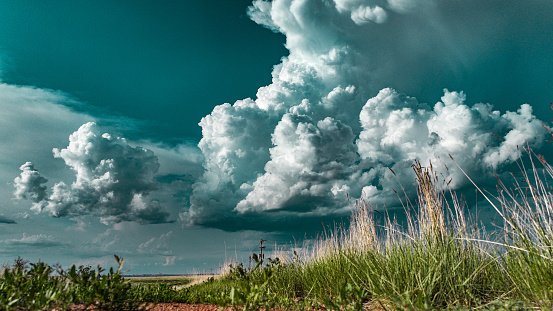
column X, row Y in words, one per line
column 166, row 65
column 177, row 134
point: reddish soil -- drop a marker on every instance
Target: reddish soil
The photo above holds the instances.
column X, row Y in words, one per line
column 185, row 307
column 164, row 307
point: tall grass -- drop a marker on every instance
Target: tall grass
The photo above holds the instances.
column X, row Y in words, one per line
column 527, row 211
column 429, row 262
column 439, row 258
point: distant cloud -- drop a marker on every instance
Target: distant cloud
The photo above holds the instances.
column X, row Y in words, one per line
column 37, row 240
column 157, row 245
column 336, row 117
column 5, row 220
column 113, row 180
column 170, row 261
column 32, row 121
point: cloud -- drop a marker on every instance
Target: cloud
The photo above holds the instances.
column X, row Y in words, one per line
column 106, row 240
column 36, row 240
column 32, row 121
column 29, row 184
column 335, row 117
column 157, row 245
column 308, row 161
column 5, row 220
column 169, row 261
column 112, row 180
column 365, row 14
column 315, row 163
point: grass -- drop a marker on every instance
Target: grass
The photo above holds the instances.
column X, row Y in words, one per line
column 438, row 259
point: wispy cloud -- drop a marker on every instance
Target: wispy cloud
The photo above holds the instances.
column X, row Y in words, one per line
column 170, row 261
column 36, row 240
column 158, row 245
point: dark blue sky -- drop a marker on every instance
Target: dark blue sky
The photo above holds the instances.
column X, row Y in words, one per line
column 167, row 65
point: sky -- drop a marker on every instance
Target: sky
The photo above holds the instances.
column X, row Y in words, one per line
column 177, row 134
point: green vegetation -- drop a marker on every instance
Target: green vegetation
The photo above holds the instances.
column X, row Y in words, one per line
column 42, row 287
column 439, row 259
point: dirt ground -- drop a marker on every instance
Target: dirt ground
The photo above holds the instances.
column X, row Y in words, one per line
column 185, row 307
column 165, row 307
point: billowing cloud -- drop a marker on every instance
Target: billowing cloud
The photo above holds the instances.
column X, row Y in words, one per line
column 365, row 14
column 32, row 121
column 335, row 118
column 113, row 180
column 28, row 185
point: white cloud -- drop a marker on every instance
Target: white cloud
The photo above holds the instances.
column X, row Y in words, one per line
column 29, row 184
column 314, row 165
column 113, row 180
column 32, row 121
column 366, row 14
column 308, row 160
column 397, row 130
column 316, row 160
column 330, row 123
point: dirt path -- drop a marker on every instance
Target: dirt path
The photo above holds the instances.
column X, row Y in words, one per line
column 197, row 279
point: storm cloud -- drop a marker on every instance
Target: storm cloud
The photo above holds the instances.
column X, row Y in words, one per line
column 112, row 180
column 342, row 108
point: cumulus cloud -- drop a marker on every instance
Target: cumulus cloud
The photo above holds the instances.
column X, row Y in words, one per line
column 316, row 162
column 308, row 161
column 113, row 180
column 29, row 184
column 32, row 121
column 335, row 117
